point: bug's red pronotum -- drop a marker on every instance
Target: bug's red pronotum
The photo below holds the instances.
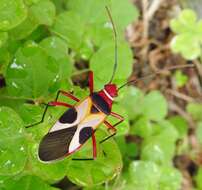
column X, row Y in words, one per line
column 79, row 122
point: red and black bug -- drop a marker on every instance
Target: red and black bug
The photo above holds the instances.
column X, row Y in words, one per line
column 80, row 121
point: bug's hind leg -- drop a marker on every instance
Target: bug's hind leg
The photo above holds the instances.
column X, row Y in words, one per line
column 109, row 126
column 45, row 111
column 108, row 137
column 94, row 150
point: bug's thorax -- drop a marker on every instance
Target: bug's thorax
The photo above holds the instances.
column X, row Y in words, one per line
column 108, row 93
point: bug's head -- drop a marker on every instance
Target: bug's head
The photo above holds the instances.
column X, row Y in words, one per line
column 111, row 89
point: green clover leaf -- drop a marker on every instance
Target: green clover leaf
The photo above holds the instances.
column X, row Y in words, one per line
column 180, row 78
column 13, row 143
column 188, row 39
column 12, row 13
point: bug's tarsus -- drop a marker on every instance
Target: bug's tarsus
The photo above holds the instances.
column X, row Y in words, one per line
column 42, row 119
column 110, row 126
column 115, row 45
column 104, row 153
column 107, row 138
column 83, row 159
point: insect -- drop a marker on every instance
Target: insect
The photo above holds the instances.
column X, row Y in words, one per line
column 80, row 121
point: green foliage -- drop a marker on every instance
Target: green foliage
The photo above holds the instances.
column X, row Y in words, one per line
column 198, row 178
column 199, row 132
column 195, row 109
column 27, row 183
column 180, row 78
column 40, row 42
column 3, row 38
column 152, row 105
column 40, row 13
column 188, row 39
column 180, row 124
column 13, row 143
column 12, row 13
column 136, row 98
column 141, row 170
column 43, row 12
column 101, row 64
column 149, row 176
column 102, row 169
column 170, row 179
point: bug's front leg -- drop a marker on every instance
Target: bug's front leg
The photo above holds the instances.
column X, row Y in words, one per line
column 67, row 94
column 45, row 111
column 56, row 103
column 110, row 126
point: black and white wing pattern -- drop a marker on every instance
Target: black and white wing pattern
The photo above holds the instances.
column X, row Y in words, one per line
column 71, row 131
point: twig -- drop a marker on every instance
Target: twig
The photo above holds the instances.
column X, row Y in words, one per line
column 198, row 69
column 153, row 8
column 180, row 95
column 145, row 5
column 148, row 13
column 180, row 111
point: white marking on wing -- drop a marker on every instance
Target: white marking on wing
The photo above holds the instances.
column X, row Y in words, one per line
column 82, row 110
column 91, row 121
column 74, row 144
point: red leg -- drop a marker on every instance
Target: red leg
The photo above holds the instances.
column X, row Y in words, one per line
column 94, row 149
column 60, row 104
column 69, row 95
column 109, row 126
column 46, row 108
column 112, row 126
column 56, row 103
column 90, row 81
column 94, row 145
column 116, row 115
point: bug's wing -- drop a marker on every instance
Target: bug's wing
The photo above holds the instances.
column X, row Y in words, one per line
column 85, row 129
column 60, row 143
column 73, row 116
column 55, row 145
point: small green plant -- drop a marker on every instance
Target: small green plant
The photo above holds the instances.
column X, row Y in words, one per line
column 195, row 110
column 157, row 148
column 188, row 39
column 180, row 78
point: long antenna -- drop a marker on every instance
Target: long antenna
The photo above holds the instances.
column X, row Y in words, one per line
column 115, row 44
column 154, row 74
